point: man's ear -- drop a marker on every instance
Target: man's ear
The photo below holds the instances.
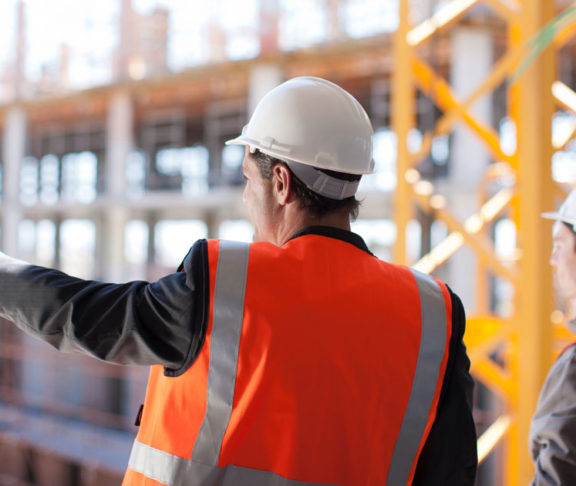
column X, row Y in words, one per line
column 282, row 184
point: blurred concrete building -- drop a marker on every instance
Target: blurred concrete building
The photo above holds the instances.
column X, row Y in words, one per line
column 112, row 162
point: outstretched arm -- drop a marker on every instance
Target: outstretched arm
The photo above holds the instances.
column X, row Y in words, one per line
column 132, row 323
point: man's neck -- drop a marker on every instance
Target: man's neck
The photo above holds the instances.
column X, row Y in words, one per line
column 299, row 220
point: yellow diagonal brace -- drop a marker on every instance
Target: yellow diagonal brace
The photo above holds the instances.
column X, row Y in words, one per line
column 439, row 90
column 560, row 143
column 501, row 69
column 447, row 15
column 564, row 96
column 468, row 232
column 495, row 378
column 440, row 253
column 484, row 333
column 481, row 350
column 480, row 243
column 507, row 9
column 480, row 327
column 492, row 436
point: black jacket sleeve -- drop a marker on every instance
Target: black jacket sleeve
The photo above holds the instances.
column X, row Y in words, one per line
column 132, row 323
column 449, row 455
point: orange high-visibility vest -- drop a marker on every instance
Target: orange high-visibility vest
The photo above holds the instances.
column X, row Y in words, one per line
column 321, row 365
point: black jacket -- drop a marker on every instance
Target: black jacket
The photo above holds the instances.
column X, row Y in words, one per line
column 165, row 323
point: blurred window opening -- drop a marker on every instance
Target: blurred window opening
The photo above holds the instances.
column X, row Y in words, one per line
column 27, row 239
column 236, row 230
column 78, row 54
column 190, row 165
column 136, row 255
column 173, row 239
column 49, row 179
column 413, row 240
column 564, row 161
column 79, row 175
column 379, row 235
column 385, row 153
column 370, row 17
column 302, row 23
column 232, row 156
column 505, row 246
column 136, row 242
column 78, row 242
column 45, row 243
column 135, row 174
column 507, row 131
column 29, row 181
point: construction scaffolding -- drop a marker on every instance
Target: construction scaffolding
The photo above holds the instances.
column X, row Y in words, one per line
column 112, row 172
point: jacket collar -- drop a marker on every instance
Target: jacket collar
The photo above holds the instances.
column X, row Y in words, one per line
column 336, row 233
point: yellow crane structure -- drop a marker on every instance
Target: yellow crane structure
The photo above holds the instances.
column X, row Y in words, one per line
column 524, row 342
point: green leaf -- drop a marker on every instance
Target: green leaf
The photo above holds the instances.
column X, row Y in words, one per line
column 543, row 39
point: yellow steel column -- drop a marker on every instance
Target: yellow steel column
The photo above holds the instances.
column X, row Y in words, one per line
column 403, row 112
column 534, row 112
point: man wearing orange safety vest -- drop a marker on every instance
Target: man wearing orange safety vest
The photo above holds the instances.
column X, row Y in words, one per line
column 298, row 359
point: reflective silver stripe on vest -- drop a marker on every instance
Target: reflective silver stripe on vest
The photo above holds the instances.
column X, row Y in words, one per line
column 430, row 355
column 175, row 471
column 228, row 314
column 156, row 464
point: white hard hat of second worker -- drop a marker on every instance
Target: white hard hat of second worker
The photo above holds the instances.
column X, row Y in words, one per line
column 566, row 212
column 310, row 123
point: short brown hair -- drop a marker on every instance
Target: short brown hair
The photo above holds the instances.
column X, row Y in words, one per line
column 314, row 203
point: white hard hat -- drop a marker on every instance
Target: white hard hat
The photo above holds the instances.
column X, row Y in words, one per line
column 311, row 121
column 567, row 212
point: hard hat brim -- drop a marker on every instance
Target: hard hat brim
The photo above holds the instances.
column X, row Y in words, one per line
column 235, row 141
column 558, row 217
column 243, row 140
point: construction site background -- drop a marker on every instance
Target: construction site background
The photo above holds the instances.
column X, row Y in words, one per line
column 113, row 117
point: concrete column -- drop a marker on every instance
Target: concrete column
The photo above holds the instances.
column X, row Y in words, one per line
column 263, row 78
column 469, row 158
column 472, row 59
column 126, row 45
column 151, row 220
column 14, row 143
column 335, row 17
column 119, row 143
column 269, row 13
column 14, row 150
column 212, row 220
column 421, row 10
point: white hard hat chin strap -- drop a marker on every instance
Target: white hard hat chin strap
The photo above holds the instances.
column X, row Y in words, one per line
column 322, row 183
